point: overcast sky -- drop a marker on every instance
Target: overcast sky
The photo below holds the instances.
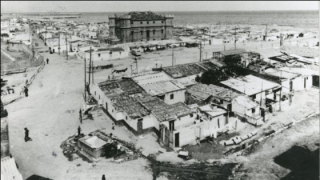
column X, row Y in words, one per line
column 124, row 6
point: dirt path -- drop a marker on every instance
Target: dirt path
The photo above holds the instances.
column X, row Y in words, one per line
column 51, row 114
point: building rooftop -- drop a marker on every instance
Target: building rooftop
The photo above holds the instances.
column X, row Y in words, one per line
column 249, row 85
column 246, row 102
column 203, row 91
column 93, row 142
column 232, row 52
column 163, row 111
column 172, row 111
column 162, row 87
column 301, row 71
column 212, row 110
column 145, row 15
column 129, row 105
column 126, row 85
column 282, row 74
column 183, row 70
column 157, row 83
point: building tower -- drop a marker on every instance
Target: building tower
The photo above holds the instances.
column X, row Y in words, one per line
column 125, row 28
column 168, row 26
column 112, row 26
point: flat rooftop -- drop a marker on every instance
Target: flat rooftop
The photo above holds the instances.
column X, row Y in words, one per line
column 249, row 85
column 93, row 142
column 282, row 74
column 183, row 70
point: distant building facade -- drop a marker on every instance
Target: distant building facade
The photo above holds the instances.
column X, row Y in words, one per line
column 141, row 26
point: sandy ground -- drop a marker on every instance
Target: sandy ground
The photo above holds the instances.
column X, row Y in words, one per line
column 51, row 114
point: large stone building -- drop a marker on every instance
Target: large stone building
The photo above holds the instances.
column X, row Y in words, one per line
column 141, row 26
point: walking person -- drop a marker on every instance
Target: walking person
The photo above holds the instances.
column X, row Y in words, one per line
column 103, row 177
column 26, row 135
column 47, row 60
column 26, row 91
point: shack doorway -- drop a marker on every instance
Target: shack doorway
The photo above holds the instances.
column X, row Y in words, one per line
column 176, row 140
column 291, row 85
column 315, row 81
column 305, row 82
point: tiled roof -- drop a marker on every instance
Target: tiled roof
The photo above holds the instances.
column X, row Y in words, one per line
column 129, row 105
column 126, row 85
column 203, row 91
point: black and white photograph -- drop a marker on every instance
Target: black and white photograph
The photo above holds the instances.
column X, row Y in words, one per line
column 160, row 90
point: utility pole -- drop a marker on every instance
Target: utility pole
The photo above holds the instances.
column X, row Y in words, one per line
column 200, row 47
column 85, row 78
column 66, row 47
column 90, row 66
column 173, row 56
column 59, row 43
column 235, row 37
column 92, row 72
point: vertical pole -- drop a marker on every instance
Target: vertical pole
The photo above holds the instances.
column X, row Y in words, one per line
column 92, row 72
column 59, row 42
column 66, row 47
column 90, row 67
column 172, row 56
column 85, row 78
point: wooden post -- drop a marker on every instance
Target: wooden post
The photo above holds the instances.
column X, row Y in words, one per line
column 85, row 79
column 59, row 42
column 66, row 47
column 90, row 67
column 92, row 72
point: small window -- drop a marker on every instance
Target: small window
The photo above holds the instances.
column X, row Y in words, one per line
column 126, row 117
column 154, row 32
column 131, row 22
column 161, row 31
column 253, row 110
column 99, row 55
column 141, row 32
column 147, row 22
column 141, row 22
column 191, row 115
column 154, row 22
column 161, row 21
column 171, row 96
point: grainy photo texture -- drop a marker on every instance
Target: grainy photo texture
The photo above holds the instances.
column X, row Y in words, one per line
column 159, row 90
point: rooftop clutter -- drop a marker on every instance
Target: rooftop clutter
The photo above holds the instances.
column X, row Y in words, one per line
column 183, row 70
column 202, row 92
column 123, row 85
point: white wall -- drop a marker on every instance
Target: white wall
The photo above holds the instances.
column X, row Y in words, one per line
column 178, row 96
column 105, row 55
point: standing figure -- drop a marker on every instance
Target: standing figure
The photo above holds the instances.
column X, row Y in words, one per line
column 80, row 116
column 79, row 130
column 103, row 177
column 26, row 134
column 47, row 60
column 26, row 91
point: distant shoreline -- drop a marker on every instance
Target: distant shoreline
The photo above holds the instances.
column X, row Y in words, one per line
column 257, row 11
